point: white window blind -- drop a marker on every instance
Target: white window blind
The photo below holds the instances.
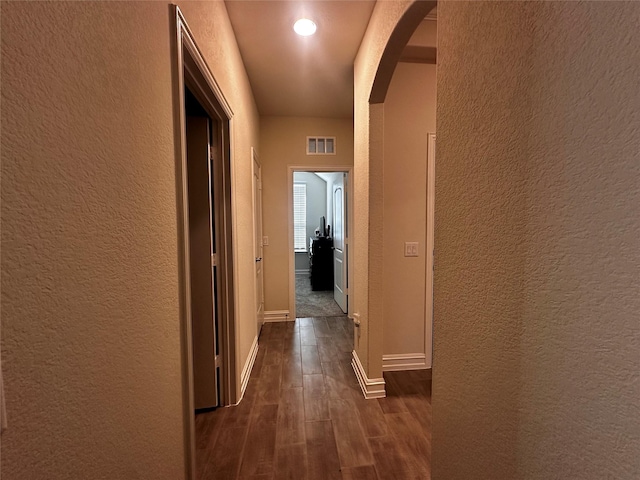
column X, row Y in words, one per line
column 300, row 216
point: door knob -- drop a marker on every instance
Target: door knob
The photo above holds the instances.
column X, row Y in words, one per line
column 258, row 259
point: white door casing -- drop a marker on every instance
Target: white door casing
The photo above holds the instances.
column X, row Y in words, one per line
column 431, row 170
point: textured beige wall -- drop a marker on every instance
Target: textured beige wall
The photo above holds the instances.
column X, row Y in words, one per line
column 425, row 35
column 283, row 143
column 90, row 341
column 367, row 293
column 409, row 115
column 536, row 355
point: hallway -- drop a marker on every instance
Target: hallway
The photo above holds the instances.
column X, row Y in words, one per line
column 303, row 415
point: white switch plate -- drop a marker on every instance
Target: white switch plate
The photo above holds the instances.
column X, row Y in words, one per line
column 410, row 249
column 265, row 241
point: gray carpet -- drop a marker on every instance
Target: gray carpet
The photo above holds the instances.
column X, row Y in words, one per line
column 314, row 304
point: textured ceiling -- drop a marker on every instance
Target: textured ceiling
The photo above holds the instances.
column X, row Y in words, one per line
column 300, row 76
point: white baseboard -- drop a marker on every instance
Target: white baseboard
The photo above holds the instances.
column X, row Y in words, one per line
column 404, row 361
column 276, row 316
column 248, row 366
column 302, row 272
column 371, row 387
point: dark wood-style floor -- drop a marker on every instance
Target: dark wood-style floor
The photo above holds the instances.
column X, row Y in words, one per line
column 303, row 415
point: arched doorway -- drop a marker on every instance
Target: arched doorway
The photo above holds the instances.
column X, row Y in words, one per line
column 374, row 68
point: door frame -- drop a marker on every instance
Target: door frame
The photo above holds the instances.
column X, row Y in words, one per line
column 429, row 254
column 348, row 239
column 190, row 69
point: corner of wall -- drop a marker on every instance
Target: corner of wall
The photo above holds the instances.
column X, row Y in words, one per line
column 371, row 387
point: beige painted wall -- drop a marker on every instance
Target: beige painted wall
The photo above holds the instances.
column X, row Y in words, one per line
column 367, row 294
column 90, row 292
column 536, row 360
column 426, row 34
column 409, row 115
column 283, row 143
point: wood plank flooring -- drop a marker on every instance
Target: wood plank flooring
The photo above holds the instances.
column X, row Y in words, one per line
column 303, row 415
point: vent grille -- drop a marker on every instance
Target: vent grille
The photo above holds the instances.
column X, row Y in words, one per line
column 321, row 145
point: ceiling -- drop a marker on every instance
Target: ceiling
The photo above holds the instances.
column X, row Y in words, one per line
column 300, row 76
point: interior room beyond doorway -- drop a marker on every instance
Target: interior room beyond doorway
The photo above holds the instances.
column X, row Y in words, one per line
column 320, row 243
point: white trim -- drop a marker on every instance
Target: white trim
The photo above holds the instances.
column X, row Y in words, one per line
column 404, row 361
column 248, row 366
column 371, row 387
column 302, row 272
column 235, row 240
column 277, row 316
column 429, row 254
column 188, row 41
column 181, row 32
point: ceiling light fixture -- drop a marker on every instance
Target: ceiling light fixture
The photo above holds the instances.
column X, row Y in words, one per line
column 304, row 27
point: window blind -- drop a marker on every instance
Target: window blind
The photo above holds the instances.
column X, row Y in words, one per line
column 300, row 216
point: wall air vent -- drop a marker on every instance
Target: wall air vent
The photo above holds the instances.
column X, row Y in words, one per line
column 321, row 145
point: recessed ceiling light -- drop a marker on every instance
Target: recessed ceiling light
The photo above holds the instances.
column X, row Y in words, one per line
column 304, row 27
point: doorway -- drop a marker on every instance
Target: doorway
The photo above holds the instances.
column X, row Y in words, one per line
column 203, row 172
column 201, row 140
column 319, row 240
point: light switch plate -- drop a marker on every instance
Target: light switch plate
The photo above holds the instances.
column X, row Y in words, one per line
column 410, row 249
column 265, row 241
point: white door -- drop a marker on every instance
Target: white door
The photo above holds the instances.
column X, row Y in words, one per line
column 258, row 247
column 340, row 243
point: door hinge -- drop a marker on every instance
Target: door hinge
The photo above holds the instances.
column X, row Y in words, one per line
column 217, row 361
column 214, row 260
